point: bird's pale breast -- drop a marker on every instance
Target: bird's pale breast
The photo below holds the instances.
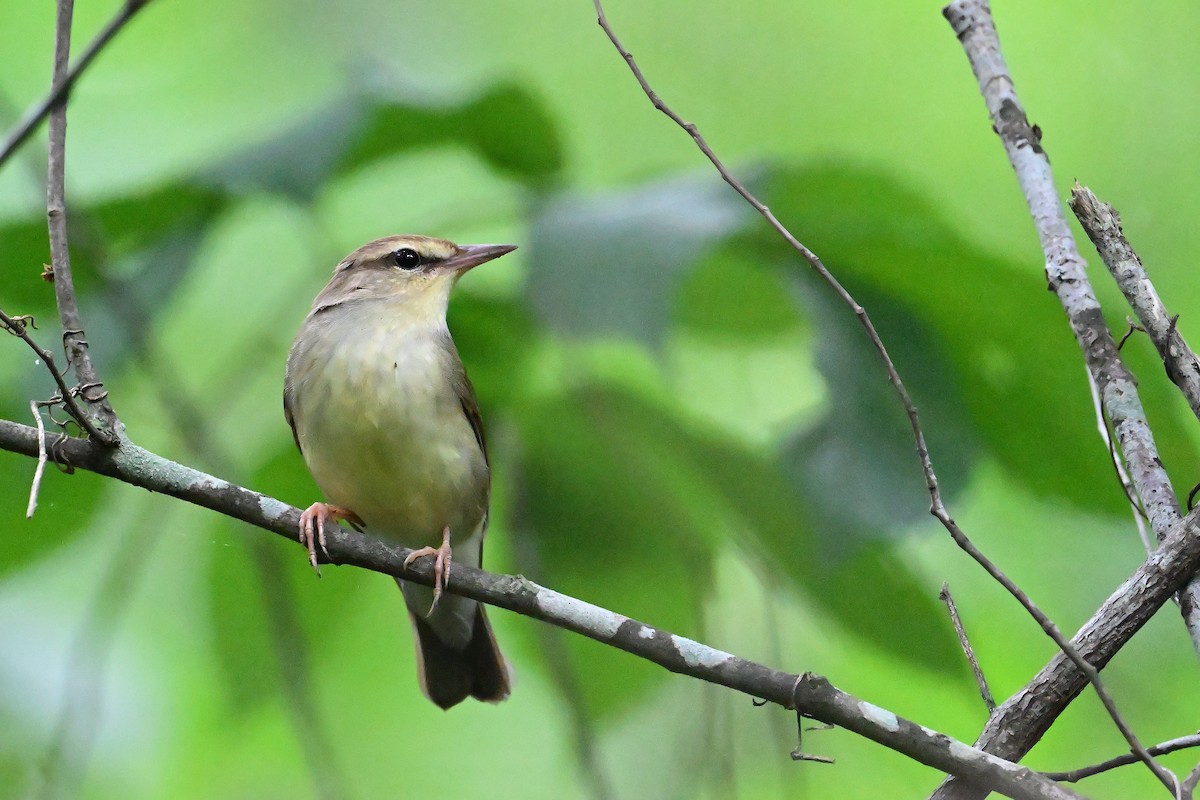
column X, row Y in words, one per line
column 381, row 425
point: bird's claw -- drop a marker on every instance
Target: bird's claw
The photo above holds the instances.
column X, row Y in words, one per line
column 442, row 557
column 312, row 527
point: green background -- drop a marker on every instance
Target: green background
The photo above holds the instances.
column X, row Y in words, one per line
column 686, row 427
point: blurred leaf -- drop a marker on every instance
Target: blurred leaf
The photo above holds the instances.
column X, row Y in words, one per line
column 626, row 505
column 612, row 264
column 244, row 567
column 1019, row 371
column 493, row 337
column 858, row 469
column 244, row 645
column 131, row 224
column 66, row 503
column 861, row 583
column 506, row 126
column 733, row 292
column 611, row 506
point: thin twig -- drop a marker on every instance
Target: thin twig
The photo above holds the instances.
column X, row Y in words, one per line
column 1103, row 226
column 38, row 112
column 1189, row 783
column 937, row 506
column 980, row 681
column 972, row 23
column 74, row 344
column 821, row 700
column 16, row 326
column 1071, row 776
column 36, row 485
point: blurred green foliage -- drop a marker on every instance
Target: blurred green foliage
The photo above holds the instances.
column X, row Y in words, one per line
column 686, row 425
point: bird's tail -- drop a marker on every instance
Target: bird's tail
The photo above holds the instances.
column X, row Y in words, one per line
column 448, row 673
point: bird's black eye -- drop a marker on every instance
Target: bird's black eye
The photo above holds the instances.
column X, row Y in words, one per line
column 406, row 258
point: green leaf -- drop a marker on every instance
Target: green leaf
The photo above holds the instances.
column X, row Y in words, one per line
column 626, row 505
column 1011, row 356
column 268, row 607
column 611, row 265
column 858, row 580
column 506, row 126
column 858, row 469
column 611, row 509
column 733, row 292
column 66, row 503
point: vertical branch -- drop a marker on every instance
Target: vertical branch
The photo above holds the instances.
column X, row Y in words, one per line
column 74, row 343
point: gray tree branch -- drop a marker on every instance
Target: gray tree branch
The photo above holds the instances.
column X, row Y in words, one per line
column 811, row 693
column 1103, row 226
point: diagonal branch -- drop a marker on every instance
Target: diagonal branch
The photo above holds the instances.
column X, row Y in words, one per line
column 818, row 698
column 1065, row 268
column 38, row 112
column 972, row 23
column 1102, row 224
column 74, row 343
column 937, row 506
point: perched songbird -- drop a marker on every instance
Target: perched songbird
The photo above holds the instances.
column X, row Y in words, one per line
column 386, row 419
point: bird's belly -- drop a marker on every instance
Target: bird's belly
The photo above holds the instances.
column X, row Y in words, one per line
column 386, row 437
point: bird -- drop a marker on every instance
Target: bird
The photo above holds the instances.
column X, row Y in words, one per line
column 387, row 422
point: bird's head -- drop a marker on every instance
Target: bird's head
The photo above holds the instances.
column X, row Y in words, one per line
column 415, row 271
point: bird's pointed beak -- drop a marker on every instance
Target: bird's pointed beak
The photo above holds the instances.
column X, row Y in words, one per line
column 472, row 255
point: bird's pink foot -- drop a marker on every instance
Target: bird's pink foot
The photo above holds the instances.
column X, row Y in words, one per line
column 312, row 527
column 441, row 565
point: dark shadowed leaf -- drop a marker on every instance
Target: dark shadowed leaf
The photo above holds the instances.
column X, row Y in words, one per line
column 734, row 292
column 858, row 469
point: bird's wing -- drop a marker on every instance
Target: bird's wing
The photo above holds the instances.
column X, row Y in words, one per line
column 291, row 419
column 470, row 407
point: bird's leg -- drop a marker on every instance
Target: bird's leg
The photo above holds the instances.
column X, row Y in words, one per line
column 312, row 527
column 441, row 565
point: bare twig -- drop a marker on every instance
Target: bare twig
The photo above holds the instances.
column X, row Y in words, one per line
column 36, row 484
column 1103, row 226
column 937, row 505
column 16, row 326
column 1070, row 776
column 1189, row 783
column 819, row 699
column 38, row 112
column 972, row 23
column 980, row 681
column 74, row 343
